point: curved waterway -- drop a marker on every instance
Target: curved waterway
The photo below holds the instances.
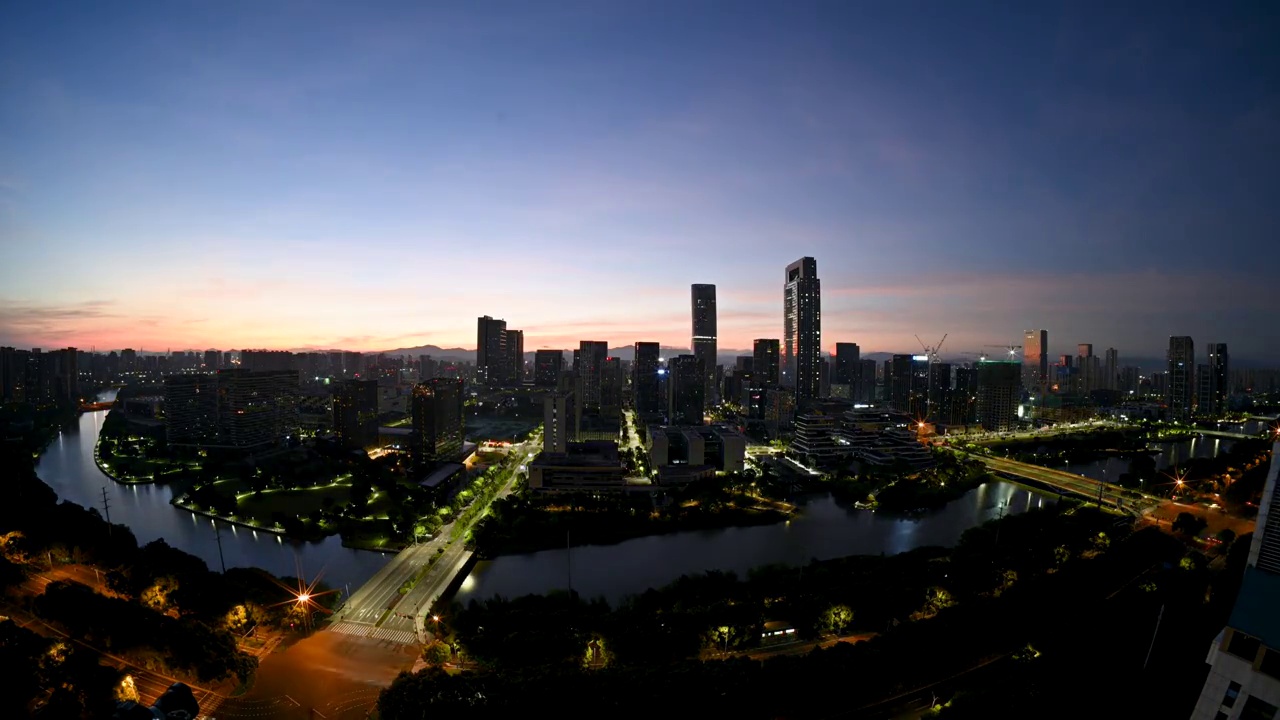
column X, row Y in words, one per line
column 822, row 531
column 68, row 467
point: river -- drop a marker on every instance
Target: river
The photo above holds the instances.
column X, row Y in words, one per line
column 823, row 530
column 68, row 467
column 1167, row 454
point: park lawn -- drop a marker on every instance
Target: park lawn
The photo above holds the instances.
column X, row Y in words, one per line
column 297, row 502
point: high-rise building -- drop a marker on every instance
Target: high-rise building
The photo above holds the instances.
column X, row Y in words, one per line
column 644, row 379
column 513, row 343
column 686, row 386
column 848, row 364
column 1111, row 370
column 438, row 421
column 1180, row 389
column 589, row 364
column 212, row 360
column 704, row 334
column 939, row 404
column 999, row 388
column 267, row 360
column 765, row 363
column 355, row 414
column 908, row 382
column 1088, row 371
column 1035, row 360
column 236, row 409
column 802, row 329
column 352, row 364
column 964, row 397
column 492, row 363
column 547, row 366
column 1216, row 385
column 866, row 391
column 1244, row 677
column 1130, row 377
column 611, row 385
column 561, row 418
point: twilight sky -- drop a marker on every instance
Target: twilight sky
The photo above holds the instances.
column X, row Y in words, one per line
column 376, row 175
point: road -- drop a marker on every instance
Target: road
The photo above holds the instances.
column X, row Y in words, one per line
column 378, row 610
column 1112, row 495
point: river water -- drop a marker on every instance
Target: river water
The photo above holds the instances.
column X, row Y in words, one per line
column 823, row 530
column 68, row 467
column 1166, row 454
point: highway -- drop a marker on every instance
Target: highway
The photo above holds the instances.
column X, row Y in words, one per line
column 378, row 610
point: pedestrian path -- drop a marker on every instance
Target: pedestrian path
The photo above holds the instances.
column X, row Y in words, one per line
column 399, row 637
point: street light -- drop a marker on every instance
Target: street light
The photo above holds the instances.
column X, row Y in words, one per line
column 303, row 598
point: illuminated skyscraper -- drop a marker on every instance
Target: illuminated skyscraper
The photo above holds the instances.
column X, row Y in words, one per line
column 802, row 329
column 438, row 421
column 765, row 364
column 644, row 379
column 355, row 413
column 1181, row 383
column 847, row 364
column 492, row 364
column 686, row 390
column 1035, row 360
column 547, row 366
column 998, row 391
column 513, row 342
column 589, row 364
column 704, row 334
column 1214, row 390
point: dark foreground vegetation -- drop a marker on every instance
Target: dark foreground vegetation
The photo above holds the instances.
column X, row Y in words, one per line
column 155, row 607
column 1063, row 598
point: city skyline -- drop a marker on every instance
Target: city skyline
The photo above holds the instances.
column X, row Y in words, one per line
column 1069, row 175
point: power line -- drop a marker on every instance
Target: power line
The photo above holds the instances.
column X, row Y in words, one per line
column 106, row 509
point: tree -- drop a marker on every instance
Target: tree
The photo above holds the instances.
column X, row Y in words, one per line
column 836, row 619
column 437, row 653
column 1188, row 524
column 1226, row 536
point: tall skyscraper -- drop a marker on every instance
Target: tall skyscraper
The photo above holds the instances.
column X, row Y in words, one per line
column 908, row 382
column 999, row 388
column 1244, row 677
column 802, row 329
column 491, row 351
column 611, row 384
column 847, row 364
column 1219, row 379
column 1089, row 371
column 235, row 409
column 438, row 421
column 1180, row 392
column 1111, row 370
column 513, row 343
column 704, row 334
column 644, row 379
column 684, row 381
column 765, row 365
column 561, row 418
column 1035, row 360
column 547, row 366
column 590, row 366
column 355, row 414
column 866, row 392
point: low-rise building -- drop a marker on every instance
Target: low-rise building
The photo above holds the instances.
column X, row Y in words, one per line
column 718, row 447
column 592, row 467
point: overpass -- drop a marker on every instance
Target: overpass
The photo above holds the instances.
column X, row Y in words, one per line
column 1108, row 494
column 378, row 609
column 96, row 406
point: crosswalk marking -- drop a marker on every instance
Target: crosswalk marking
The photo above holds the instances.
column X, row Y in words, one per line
column 401, row 637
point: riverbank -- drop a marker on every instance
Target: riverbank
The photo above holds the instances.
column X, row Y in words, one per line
column 515, row 527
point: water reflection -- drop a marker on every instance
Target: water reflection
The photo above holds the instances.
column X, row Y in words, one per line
column 1166, row 455
column 68, row 467
column 823, row 530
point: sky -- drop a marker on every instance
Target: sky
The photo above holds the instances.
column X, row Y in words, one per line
column 376, row 175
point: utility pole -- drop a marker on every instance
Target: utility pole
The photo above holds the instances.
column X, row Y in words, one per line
column 1153, row 638
column 106, row 509
column 217, row 533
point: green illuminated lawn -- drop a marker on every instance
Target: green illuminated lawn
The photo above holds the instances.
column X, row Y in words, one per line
column 298, row 502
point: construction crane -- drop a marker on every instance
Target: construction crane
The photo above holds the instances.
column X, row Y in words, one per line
column 1011, row 349
column 932, row 352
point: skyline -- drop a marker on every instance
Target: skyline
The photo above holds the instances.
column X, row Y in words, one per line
column 314, row 176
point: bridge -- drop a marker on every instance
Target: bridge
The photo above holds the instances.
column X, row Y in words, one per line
column 1113, row 496
column 96, row 406
column 379, row 610
column 1228, row 434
